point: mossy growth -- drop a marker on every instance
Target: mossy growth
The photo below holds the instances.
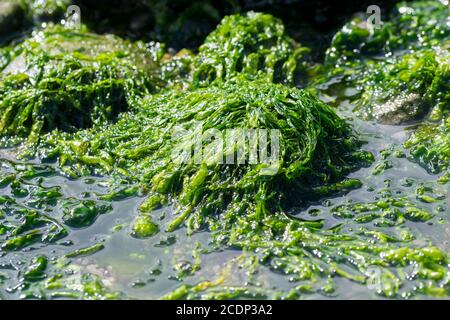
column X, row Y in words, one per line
column 400, row 70
column 65, row 79
column 430, row 146
column 316, row 148
column 410, row 26
column 405, row 88
column 255, row 44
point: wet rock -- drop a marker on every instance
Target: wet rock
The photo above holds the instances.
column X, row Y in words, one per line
column 401, row 110
column 11, row 17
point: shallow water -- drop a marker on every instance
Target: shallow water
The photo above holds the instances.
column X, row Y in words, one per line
column 151, row 268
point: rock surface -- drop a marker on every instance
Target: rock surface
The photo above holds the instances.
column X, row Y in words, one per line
column 400, row 110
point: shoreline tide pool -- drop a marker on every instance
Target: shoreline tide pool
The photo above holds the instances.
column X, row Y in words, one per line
column 256, row 165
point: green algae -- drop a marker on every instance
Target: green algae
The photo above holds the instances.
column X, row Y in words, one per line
column 429, row 145
column 144, row 227
column 386, row 212
column 399, row 69
column 411, row 26
column 250, row 216
column 253, row 44
column 242, row 207
column 46, row 278
column 410, row 83
column 79, row 214
column 143, row 146
column 68, row 80
column 35, row 222
column 85, row 251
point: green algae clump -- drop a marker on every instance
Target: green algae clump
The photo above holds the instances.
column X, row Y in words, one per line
column 316, row 147
column 68, row 80
column 255, row 44
column 430, row 146
column 401, row 69
column 144, row 227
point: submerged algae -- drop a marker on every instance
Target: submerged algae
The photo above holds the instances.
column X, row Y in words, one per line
column 240, row 206
column 245, row 210
column 33, row 221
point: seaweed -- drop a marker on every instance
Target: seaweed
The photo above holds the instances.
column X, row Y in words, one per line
column 220, row 142
column 143, row 145
column 429, row 145
column 245, row 209
column 66, row 79
column 400, row 70
column 407, row 87
column 255, row 44
column 413, row 25
column 45, row 278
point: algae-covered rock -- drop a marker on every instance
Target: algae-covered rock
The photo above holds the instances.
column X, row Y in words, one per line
column 411, row 25
column 66, row 79
column 402, row 89
column 255, row 44
column 316, row 147
column 400, row 109
column 401, row 69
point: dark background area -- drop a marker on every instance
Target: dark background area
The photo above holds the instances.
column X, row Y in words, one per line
column 185, row 23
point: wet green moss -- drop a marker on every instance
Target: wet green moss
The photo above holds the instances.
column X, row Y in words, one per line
column 410, row 26
column 400, row 70
column 67, row 80
column 141, row 146
column 430, row 144
column 255, row 44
